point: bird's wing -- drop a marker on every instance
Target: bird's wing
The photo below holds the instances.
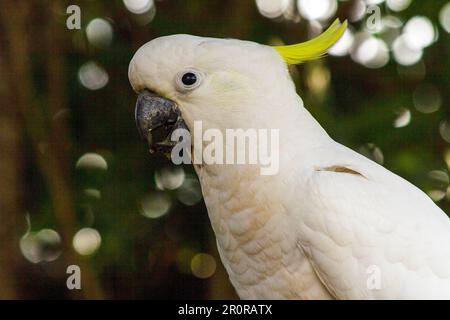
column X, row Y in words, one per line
column 371, row 234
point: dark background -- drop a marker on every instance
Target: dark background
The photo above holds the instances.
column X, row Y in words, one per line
column 78, row 187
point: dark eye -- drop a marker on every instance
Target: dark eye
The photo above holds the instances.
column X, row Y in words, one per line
column 189, row 79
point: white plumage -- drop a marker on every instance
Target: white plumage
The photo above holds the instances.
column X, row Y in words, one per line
column 331, row 221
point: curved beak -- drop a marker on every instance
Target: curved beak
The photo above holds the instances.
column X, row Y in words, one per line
column 156, row 118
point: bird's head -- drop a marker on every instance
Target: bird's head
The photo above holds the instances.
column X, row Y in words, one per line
column 224, row 83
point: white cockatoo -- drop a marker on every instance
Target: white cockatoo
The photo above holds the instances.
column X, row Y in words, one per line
column 330, row 224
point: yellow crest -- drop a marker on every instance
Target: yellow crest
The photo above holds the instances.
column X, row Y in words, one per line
column 315, row 48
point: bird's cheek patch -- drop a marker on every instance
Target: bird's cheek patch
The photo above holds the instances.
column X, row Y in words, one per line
column 229, row 85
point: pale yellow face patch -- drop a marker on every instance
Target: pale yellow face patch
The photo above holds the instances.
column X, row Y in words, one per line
column 230, row 85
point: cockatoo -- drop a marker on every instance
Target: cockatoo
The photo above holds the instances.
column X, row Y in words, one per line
column 330, row 224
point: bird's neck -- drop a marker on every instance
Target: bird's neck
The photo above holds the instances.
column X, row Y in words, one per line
column 247, row 208
column 226, row 186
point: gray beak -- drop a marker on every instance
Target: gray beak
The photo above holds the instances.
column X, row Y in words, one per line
column 156, row 119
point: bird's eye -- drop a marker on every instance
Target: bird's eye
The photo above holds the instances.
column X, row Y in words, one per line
column 189, row 80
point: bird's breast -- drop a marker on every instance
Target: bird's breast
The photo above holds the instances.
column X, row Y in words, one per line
column 255, row 240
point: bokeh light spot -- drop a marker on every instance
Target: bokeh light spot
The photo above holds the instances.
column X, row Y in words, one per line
column 203, row 265
column 155, row 205
column 357, row 11
column 372, row 2
column 169, row 178
column 398, row 5
column 92, row 76
column 317, row 9
column 42, row 246
column 272, row 8
column 440, row 176
column 190, row 192
column 440, row 181
column 436, row 195
column 404, row 54
column 403, row 118
column 444, row 130
column 86, row 241
column 138, row 6
column 419, row 32
column 444, row 17
column 372, row 53
column 92, row 193
column 91, row 161
column 373, row 152
column 427, row 98
column 447, row 152
column 99, row 32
